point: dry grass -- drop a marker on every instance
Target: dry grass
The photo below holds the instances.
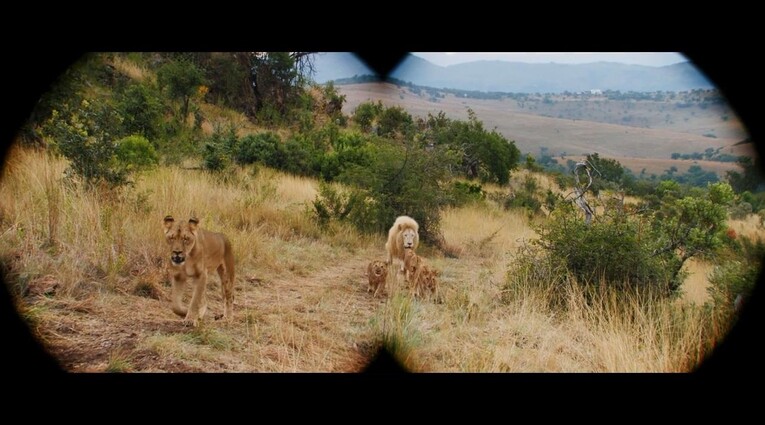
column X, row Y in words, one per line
column 695, row 285
column 300, row 301
column 751, row 227
column 130, row 69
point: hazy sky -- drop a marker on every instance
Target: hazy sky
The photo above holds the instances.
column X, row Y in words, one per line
column 634, row 58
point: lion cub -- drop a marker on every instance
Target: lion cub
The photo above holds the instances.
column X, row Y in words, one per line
column 412, row 265
column 419, row 274
column 194, row 251
column 377, row 271
column 428, row 283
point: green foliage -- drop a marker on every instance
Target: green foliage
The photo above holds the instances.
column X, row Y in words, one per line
column 86, row 135
column 526, row 197
column 136, row 153
column 466, row 192
column 227, row 79
column 751, row 179
column 690, row 226
column 531, row 164
column 366, row 114
column 332, row 204
column 668, row 188
column 613, row 250
column 487, row 156
column 220, row 148
column 298, row 157
column 731, row 279
column 399, row 180
column 265, row 148
column 141, row 107
column 394, row 120
column 277, row 86
column 180, row 80
column 610, row 173
column 333, row 101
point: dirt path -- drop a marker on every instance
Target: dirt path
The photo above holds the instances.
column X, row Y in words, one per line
column 312, row 323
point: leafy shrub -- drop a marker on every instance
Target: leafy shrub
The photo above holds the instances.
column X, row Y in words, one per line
column 220, row 149
column 611, row 250
column 399, row 180
column 262, row 147
column 466, row 192
column 141, row 109
column 136, row 153
column 86, row 135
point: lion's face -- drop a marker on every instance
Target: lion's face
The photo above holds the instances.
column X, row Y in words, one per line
column 181, row 238
column 408, row 236
column 378, row 268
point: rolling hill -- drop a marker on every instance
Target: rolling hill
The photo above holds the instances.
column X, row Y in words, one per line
column 532, row 126
column 521, row 77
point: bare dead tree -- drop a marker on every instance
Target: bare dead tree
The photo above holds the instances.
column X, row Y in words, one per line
column 580, row 190
column 304, row 63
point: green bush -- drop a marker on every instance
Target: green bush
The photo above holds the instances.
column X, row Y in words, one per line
column 262, row 147
column 220, row 149
column 394, row 119
column 86, row 134
column 141, row 109
column 608, row 250
column 136, row 153
column 399, row 180
column 366, row 113
column 466, row 192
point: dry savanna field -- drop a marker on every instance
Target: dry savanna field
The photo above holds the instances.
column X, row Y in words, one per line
column 89, row 274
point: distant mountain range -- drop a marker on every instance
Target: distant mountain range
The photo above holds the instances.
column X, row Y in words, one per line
column 518, row 77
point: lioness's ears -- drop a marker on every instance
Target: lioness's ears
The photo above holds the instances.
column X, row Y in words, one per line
column 169, row 221
column 400, row 226
column 193, row 222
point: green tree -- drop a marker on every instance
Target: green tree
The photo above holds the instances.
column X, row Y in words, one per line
column 141, row 109
column 333, row 101
column 691, row 226
column 394, row 119
column 277, row 81
column 86, row 134
column 610, row 173
column 400, row 179
column 366, row 114
column 487, row 156
column 180, row 79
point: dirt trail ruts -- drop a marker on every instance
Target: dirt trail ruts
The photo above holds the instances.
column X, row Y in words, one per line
column 319, row 322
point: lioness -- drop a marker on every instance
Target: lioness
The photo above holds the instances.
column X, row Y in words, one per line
column 402, row 235
column 192, row 252
column 377, row 271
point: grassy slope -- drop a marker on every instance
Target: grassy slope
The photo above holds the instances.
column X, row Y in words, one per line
column 301, row 300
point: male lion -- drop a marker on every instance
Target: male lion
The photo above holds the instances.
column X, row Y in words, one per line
column 404, row 234
column 193, row 252
column 377, row 271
